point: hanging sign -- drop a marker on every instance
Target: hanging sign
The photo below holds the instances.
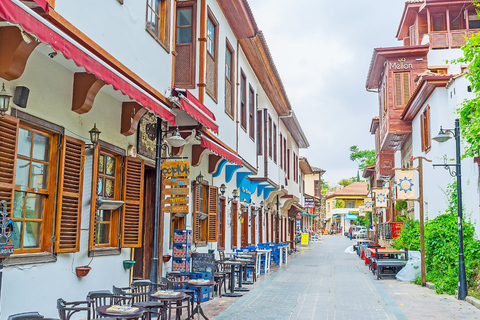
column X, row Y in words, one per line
column 309, row 203
column 405, row 185
column 176, row 209
column 175, row 191
column 368, row 204
column 176, row 182
column 381, row 198
column 361, row 211
column 175, row 168
column 175, row 200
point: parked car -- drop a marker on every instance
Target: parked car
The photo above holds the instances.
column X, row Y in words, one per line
column 360, row 232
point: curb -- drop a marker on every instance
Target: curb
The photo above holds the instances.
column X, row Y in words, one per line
column 473, row 301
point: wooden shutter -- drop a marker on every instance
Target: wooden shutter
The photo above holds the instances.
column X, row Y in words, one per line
column 185, row 58
column 212, row 210
column 398, row 89
column 8, row 152
column 132, row 194
column 406, row 87
column 70, row 187
column 234, row 224
column 196, row 211
column 253, row 228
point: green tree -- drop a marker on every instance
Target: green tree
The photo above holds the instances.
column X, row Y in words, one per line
column 469, row 110
column 345, row 182
column 362, row 157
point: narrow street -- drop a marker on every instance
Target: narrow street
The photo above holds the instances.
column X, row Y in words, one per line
column 323, row 282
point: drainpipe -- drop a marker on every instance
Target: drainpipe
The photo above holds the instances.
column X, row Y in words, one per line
column 156, row 210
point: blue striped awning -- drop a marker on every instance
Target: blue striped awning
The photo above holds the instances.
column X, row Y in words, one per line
column 335, row 216
column 351, row 216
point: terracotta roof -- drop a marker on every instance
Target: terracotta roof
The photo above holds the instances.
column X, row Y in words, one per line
column 318, row 170
column 355, row 189
column 305, row 166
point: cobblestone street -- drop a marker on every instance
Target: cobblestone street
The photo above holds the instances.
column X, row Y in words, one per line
column 323, row 282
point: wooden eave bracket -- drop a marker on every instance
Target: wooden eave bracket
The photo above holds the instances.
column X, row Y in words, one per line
column 197, row 154
column 14, row 52
column 132, row 112
column 213, row 163
column 85, row 89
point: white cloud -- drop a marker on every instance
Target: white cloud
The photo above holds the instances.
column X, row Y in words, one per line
column 322, row 50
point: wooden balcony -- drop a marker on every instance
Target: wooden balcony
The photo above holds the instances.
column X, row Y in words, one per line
column 449, row 40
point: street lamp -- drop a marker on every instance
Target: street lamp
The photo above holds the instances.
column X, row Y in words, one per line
column 445, row 135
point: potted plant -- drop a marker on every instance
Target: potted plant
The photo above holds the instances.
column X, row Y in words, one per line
column 166, row 258
column 127, row 264
column 82, row 271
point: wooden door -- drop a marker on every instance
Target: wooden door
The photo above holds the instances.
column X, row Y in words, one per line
column 244, row 222
column 260, row 226
column 143, row 255
column 221, row 224
column 253, row 228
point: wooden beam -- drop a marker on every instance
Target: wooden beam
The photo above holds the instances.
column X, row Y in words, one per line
column 14, row 52
column 197, row 154
column 85, row 89
column 213, row 162
column 132, row 112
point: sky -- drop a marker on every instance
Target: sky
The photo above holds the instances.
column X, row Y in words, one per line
column 322, row 50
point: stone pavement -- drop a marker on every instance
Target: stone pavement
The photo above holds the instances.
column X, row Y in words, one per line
column 323, row 282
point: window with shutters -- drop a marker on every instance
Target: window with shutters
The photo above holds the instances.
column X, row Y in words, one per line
column 251, row 113
column 34, row 194
column 270, row 137
column 285, row 154
column 212, row 56
column 234, row 224
column 185, row 45
column 281, row 151
column 243, row 101
column 229, row 76
column 158, row 21
column 205, row 213
column 259, row 132
column 425, row 130
column 212, row 211
column 288, row 164
column 402, row 88
column 274, row 143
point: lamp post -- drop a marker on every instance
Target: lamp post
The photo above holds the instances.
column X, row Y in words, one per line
column 443, row 136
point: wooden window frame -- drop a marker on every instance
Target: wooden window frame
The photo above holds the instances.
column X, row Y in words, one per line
column 253, row 227
column 163, row 36
column 274, row 143
column 115, row 232
column 211, row 19
column 202, row 239
column 270, row 137
column 251, row 112
column 259, row 133
column 425, row 130
column 316, row 188
column 230, row 82
column 49, row 194
column 191, row 83
column 243, row 100
column 285, row 154
column 212, row 212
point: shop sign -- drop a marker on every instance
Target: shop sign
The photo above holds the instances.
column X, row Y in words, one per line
column 304, row 239
column 176, row 200
column 176, row 182
column 175, row 191
column 401, row 65
column 176, row 209
column 176, row 168
column 309, row 203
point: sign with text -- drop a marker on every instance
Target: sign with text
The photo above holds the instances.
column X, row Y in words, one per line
column 176, row 209
column 304, row 239
column 309, row 203
column 175, row 200
column 175, row 168
column 177, row 182
column 175, row 191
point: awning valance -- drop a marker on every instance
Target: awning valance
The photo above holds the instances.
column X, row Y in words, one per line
column 197, row 110
column 16, row 12
column 221, row 151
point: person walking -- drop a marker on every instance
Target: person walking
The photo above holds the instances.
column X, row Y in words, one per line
column 350, row 231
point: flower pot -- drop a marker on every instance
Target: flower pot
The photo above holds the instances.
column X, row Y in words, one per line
column 82, row 271
column 127, row 264
column 166, row 258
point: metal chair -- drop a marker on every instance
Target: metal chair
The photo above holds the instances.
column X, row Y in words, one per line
column 101, row 298
column 138, row 295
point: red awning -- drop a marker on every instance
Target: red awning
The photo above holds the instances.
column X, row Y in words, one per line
column 221, row 151
column 14, row 11
column 191, row 105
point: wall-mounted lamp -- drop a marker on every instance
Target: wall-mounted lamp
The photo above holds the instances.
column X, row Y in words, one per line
column 223, row 188
column 198, row 180
column 262, row 204
column 4, row 101
column 94, row 136
column 269, row 206
column 234, row 196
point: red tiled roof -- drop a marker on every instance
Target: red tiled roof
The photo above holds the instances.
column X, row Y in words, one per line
column 355, row 189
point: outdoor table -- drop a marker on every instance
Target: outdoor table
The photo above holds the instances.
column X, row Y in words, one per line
column 232, row 264
column 283, row 252
column 244, row 256
column 359, row 241
column 198, row 309
column 166, row 299
column 245, row 280
column 102, row 310
column 267, row 253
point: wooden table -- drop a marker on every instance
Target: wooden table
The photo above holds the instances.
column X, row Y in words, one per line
column 198, row 309
column 166, row 299
column 359, row 241
column 232, row 264
column 102, row 310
